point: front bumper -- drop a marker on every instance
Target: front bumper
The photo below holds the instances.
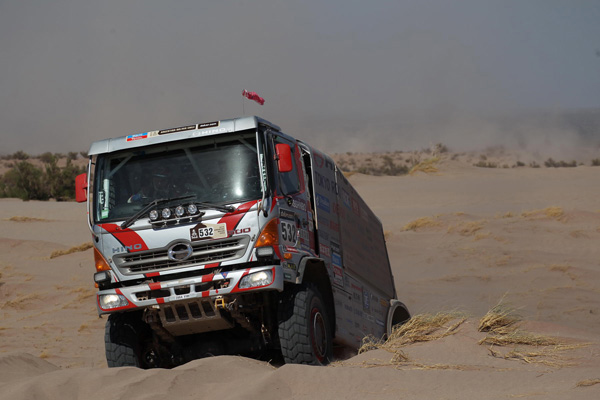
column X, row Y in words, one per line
column 157, row 293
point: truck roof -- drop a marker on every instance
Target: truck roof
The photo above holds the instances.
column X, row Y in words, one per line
column 178, row 133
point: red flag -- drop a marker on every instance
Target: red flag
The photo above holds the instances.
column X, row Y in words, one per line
column 253, row 96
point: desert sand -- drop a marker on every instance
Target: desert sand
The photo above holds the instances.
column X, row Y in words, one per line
column 461, row 240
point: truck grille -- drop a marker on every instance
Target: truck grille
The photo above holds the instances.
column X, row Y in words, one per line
column 204, row 252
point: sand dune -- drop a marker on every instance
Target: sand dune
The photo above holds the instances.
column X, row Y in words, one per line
column 460, row 239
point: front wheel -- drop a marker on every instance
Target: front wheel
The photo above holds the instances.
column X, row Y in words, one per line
column 124, row 339
column 305, row 332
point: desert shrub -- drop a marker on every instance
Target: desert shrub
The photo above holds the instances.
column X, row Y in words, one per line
column 24, row 181
column 550, row 163
column 533, row 164
column 84, row 154
column 440, row 148
column 47, row 157
column 595, row 162
column 520, row 164
column 19, row 155
column 28, row 182
column 483, row 164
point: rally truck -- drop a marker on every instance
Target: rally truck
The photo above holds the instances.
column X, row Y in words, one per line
column 231, row 237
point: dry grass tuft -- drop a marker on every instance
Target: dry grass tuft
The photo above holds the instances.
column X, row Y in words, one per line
column 424, row 222
column 556, row 213
column 27, row 219
column 502, row 325
column 588, row 382
column 420, row 328
column 468, row 228
column 500, row 320
column 427, row 166
column 81, row 247
column 518, row 337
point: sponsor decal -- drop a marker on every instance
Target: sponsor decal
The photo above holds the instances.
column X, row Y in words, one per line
column 323, row 203
column 366, row 300
column 208, row 231
column 175, row 130
column 289, row 265
column 123, row 249
column 208, row 125
column 384, row 303
column 137, row 136
column 338, row 276
column 345, row 198
column 324, row 250
column 241, row 231
column 300, row 205
column 336, row 258
column 205, row 132
column 380, row 323
column 304, row 237
column 286, row 214
column 324, row 182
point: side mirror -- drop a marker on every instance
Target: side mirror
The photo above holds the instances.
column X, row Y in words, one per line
column 285, row 163
column 81, row 185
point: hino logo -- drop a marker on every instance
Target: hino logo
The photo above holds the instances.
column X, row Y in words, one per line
column 179, row 252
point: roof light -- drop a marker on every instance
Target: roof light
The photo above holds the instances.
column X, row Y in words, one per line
column 153, row 215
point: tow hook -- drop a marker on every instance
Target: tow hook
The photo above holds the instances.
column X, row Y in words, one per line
column 220, row 302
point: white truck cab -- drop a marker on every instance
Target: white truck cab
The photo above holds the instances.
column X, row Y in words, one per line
column 231, row 237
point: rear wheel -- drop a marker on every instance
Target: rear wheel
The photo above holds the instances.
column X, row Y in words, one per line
column 304, row 330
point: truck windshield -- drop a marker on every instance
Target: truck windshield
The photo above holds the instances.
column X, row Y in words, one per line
column 218, row 170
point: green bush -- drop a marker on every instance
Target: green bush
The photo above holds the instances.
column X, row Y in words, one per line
column 28, row 182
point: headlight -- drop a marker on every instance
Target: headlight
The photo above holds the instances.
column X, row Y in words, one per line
column 108, row 301
column 257, row 279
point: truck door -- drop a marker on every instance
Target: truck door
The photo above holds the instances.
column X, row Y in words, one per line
column 293, row 200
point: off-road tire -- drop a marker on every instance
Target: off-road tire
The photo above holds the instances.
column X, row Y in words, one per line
column 304, row 327
column 122, row 341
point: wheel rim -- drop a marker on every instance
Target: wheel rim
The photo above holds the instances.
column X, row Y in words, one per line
column 318, row 334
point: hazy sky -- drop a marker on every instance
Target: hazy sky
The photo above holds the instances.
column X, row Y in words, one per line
column 398, row 73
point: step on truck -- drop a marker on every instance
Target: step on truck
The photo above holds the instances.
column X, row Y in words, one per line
column 231, row 237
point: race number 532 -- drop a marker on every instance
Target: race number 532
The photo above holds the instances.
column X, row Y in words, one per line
column 289, row 233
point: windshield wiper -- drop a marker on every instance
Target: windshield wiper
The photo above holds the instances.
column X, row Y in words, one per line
column 149, row 206
column 203, row 205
